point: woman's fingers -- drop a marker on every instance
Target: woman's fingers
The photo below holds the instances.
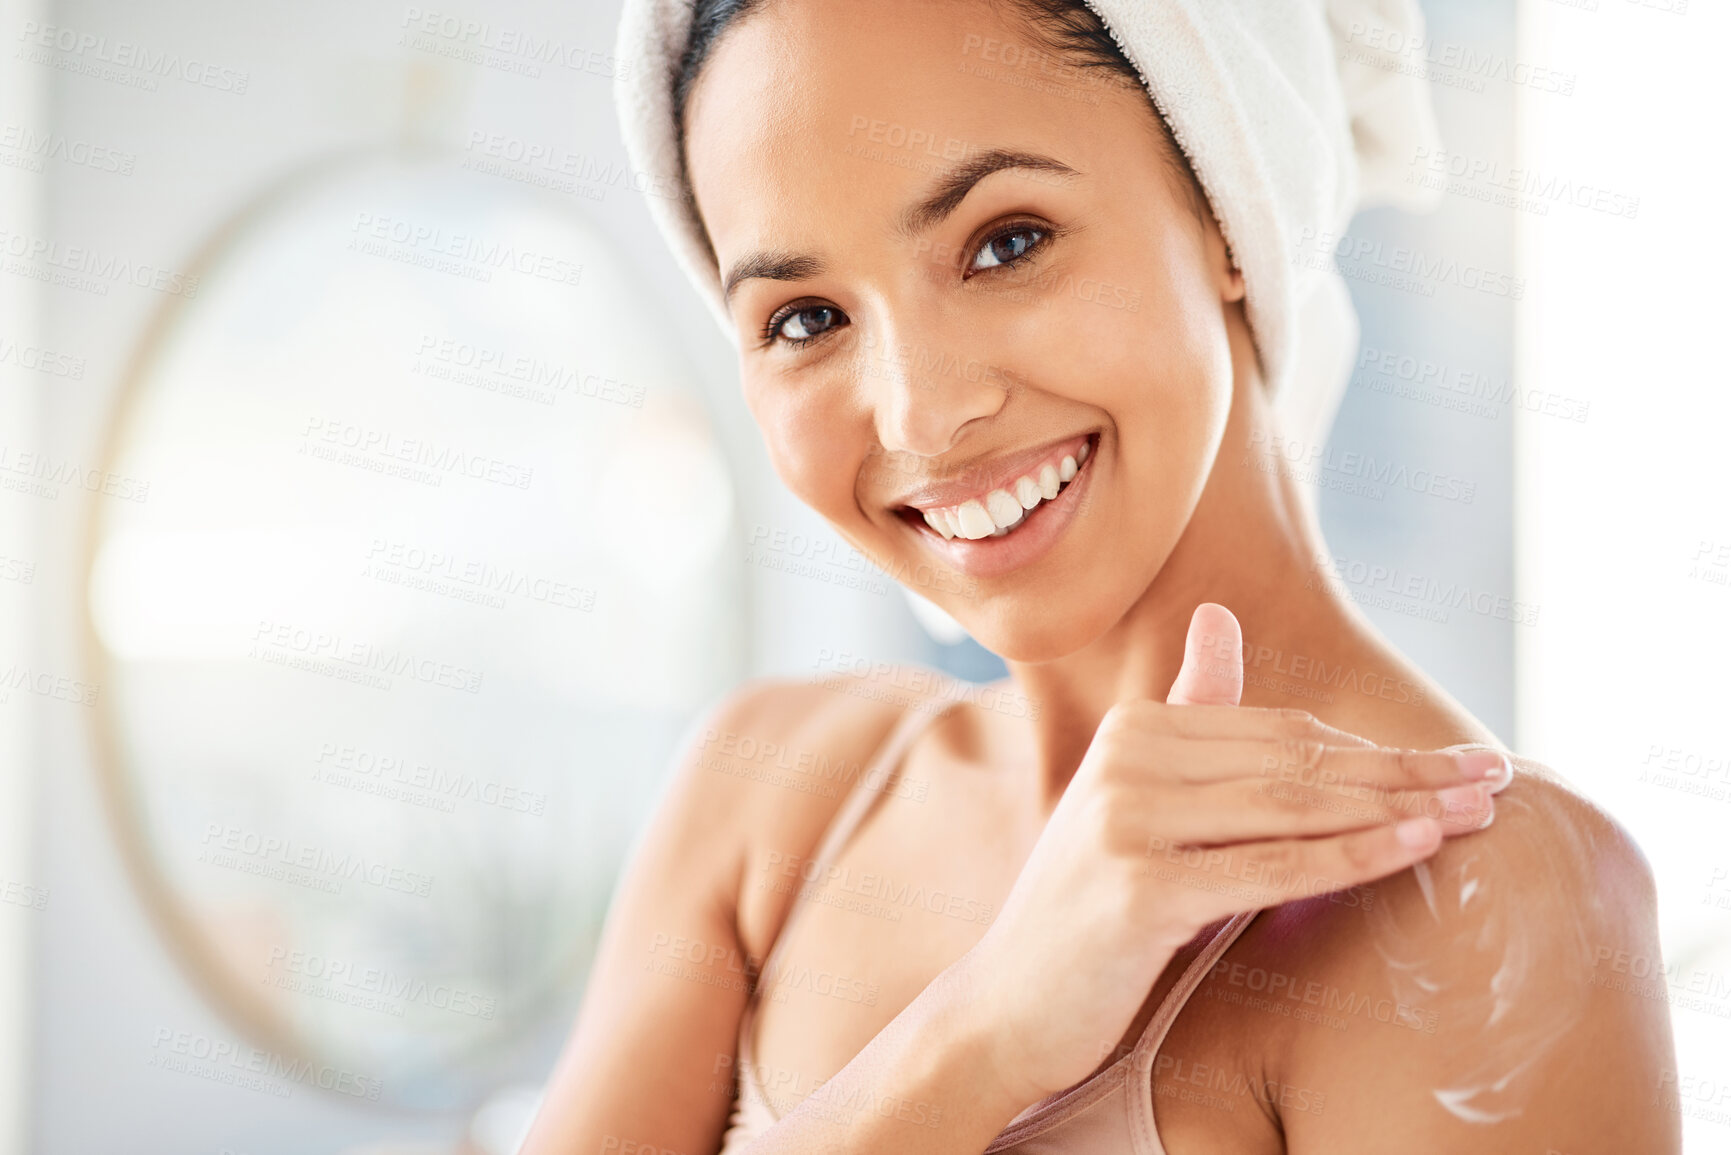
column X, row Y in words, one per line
column 1354, row 770
column 1253, row 875
column 1254, row 811
column 1246, row 810
column 1213, row 669
column 1315, row 764
column 1146, row 716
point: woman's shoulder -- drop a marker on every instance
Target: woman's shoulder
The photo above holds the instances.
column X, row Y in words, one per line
column 1552, row 860
column 1530, row 898
column 807, row 734
column 1548, row 814
column 767, row 768
column 1470, row 994
column 785, row 744
column 1544, row 820
column 1552, row 867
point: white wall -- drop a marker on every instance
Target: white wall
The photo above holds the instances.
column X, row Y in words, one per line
column 1625, row 527
column 23, row 96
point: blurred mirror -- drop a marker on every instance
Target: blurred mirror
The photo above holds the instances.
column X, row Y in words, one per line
column 424, row 577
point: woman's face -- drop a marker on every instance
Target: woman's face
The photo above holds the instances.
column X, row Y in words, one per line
column 953, row 263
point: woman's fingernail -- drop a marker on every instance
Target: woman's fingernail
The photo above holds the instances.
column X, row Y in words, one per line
column 1480, row 764
column 1461, row 801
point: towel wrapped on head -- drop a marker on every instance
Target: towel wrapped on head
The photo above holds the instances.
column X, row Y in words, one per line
column 1293, row 115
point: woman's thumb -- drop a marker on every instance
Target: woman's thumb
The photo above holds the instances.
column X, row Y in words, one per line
column 1213, row 670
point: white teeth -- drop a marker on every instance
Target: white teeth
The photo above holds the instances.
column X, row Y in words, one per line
column 1049, row 482
column 975, row 522
column 1004, row 508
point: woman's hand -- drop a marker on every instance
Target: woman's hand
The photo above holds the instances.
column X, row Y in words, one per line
column 1182, row 813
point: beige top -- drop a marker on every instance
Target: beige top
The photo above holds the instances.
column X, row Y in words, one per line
column 1109, row 1113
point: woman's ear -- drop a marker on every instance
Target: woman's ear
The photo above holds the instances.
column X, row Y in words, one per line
column 1233, row 288
column 1231, row 276
column 1227, row 275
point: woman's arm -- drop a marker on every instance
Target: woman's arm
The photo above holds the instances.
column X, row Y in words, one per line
column 644, row 1039
column 650, row 1061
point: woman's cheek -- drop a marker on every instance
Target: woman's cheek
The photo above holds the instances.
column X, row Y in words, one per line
column 809, row 447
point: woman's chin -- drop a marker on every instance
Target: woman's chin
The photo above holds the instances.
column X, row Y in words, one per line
column 1034, row 634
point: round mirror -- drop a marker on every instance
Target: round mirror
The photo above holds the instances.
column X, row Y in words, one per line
column 419, row 575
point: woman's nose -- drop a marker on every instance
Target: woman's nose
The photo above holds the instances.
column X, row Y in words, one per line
column 924, row 389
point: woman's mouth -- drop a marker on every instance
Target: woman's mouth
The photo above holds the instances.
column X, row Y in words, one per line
column 1004, row 509
column 1012, row 515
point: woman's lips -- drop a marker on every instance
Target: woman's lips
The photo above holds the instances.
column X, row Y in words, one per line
column 978, row 479
column 1027, row 539
column 1000, row 509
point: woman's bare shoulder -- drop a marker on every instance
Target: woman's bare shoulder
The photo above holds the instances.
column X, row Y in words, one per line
column 1469, row 1003
column 798, row 738
column 768, row 767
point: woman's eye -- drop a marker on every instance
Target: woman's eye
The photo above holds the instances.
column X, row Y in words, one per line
column 804, row 324
column 1006, row 248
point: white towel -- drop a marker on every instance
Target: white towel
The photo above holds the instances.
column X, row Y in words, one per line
column 1293, row 113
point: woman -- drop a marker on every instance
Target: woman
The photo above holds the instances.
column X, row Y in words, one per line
column 1147, row 898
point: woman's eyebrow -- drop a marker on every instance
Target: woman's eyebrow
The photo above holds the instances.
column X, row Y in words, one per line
column 774, row 266
column 947, row 193
column 954, row 185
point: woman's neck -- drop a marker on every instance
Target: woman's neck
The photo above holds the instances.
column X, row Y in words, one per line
column 1253, row 546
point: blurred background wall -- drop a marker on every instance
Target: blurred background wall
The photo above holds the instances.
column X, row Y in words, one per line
column 109, row 1037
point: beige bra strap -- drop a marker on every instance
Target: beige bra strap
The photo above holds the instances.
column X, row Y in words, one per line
column 874, row 779
column 1155, row 1032
column 872, row 782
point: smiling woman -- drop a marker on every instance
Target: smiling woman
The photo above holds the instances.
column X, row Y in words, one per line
column 1020, row 247
column 1021, row 300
